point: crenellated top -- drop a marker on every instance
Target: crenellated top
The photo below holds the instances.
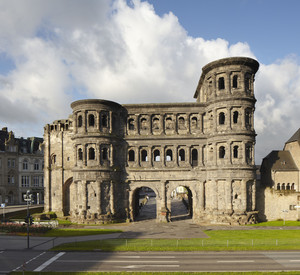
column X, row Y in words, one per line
column 59, row 126
column 228, row 77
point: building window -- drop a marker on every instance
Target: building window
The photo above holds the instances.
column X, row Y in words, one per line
column 248, row 153
column 104, row 154
column 80, row 154
column 144, row 155
column 36, row 181
column 79, row 121
column 144, row 124
column 278, row 186
column 169, row 123
column 221, row 118
column 156, row 155
column 288, row 187
column 155, row 123
column 91, row 153
column 91, row 120
column 104, row 120
column 247, row 118
column 8, row 163
column 293, row 186
column 10, row 179
column 169, row 155
column 131, row 155
column 235, row 117
column 181, row 155
column 181, row 123
column 222, row 152
column 283, row 186
column 194, row 123
column 235, row 152
column 36, row 165
column 25, row 164
column 221, row 83
column 235, row 81
column 25, row 181
column 131, row 124
column 194, row 157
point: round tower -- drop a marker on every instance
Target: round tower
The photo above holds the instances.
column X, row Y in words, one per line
column 99, row 147
column 227, row 87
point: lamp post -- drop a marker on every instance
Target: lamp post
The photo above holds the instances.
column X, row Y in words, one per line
column 284, row 211
column 28, row 199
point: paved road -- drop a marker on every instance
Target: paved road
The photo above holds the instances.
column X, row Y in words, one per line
column 145, row 261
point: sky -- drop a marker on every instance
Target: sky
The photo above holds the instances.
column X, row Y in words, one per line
column 54, row 52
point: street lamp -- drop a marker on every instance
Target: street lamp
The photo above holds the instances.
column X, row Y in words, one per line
column 28, row 198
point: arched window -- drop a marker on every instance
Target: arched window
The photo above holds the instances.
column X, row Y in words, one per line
column 131, row 155
column 169, row 123
column 181, row 123
column 144, row 155
column 155, row 123
column 144, row 123
column 25, row 164
column 222, row 152
column 235, row 81
column 104, row 154
column 247, row 118
column 278, row 186
column 79, row 123
column 221, row 118
column 36, row 165
column 235, row 152
column 156, row 155
column 91, row 120
column 221, row 83
column 181, row 155
column 283, row 186
column 293, row 186
column 194, row 157
column 104, row 120
column 235, row 117
column 80, row 154
column 288, row 187
column 169, row 155
column 131, row 124
column 248, row 152
column 91, row 153
column 194, row 123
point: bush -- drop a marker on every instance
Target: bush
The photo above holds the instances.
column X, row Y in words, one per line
column 22, row 228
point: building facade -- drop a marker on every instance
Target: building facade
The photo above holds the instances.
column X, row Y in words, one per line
column 21, row 168
column 280, row 183
column 98, row 159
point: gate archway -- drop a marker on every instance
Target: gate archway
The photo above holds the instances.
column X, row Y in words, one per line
column 143, row 204
column 66, row 197
column 181, row 203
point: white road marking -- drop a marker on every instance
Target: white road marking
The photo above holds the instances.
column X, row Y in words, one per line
column 237, row 261
column 146, row 257
column 294, row 260
column 1, row 252
column 41, row 267
column 112, row 261
column 23, row 265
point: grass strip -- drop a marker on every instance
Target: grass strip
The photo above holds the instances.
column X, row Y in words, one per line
column 218, row 240
column 158, row 273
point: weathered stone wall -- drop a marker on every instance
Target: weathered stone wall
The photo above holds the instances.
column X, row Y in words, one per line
column 95, row 167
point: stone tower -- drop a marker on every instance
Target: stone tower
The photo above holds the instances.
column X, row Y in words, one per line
column 98, row 160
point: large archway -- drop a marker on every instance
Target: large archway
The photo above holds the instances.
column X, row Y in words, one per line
column 66, row 197
column 144, row 206
column 181, row 203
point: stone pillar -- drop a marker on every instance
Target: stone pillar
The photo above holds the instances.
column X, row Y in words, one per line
column 244, row 195
column 254, row 195
column 111, row 195
column 202, row 196
column 110, row 122
column 164, row 213
column 228, row 196
column 99, row 210
column 84, row 199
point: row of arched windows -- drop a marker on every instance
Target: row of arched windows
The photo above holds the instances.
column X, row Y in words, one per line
column 156, row 155
column 91, row 155
column 235, row 118
column 235, row 82
column 287, row 186
column 169, row 123
column 91, row 120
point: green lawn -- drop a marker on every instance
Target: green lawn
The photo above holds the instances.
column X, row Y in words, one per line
column 218, row 240
column 277, row 223
column 158, row 273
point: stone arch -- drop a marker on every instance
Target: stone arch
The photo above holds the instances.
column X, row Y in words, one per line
column 135, row 198
column 67, row 197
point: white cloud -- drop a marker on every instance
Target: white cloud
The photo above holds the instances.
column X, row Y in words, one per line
column 68, row 50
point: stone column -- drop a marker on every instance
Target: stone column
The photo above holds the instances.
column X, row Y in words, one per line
column 244, row 195
column 111, row 195
column 164, row 213
column 228, row 196
column 110, row 122
column 254, row 195
column 99, row 210
column 84, row 199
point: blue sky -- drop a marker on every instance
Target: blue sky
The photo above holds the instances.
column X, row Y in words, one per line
column 53, row 52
